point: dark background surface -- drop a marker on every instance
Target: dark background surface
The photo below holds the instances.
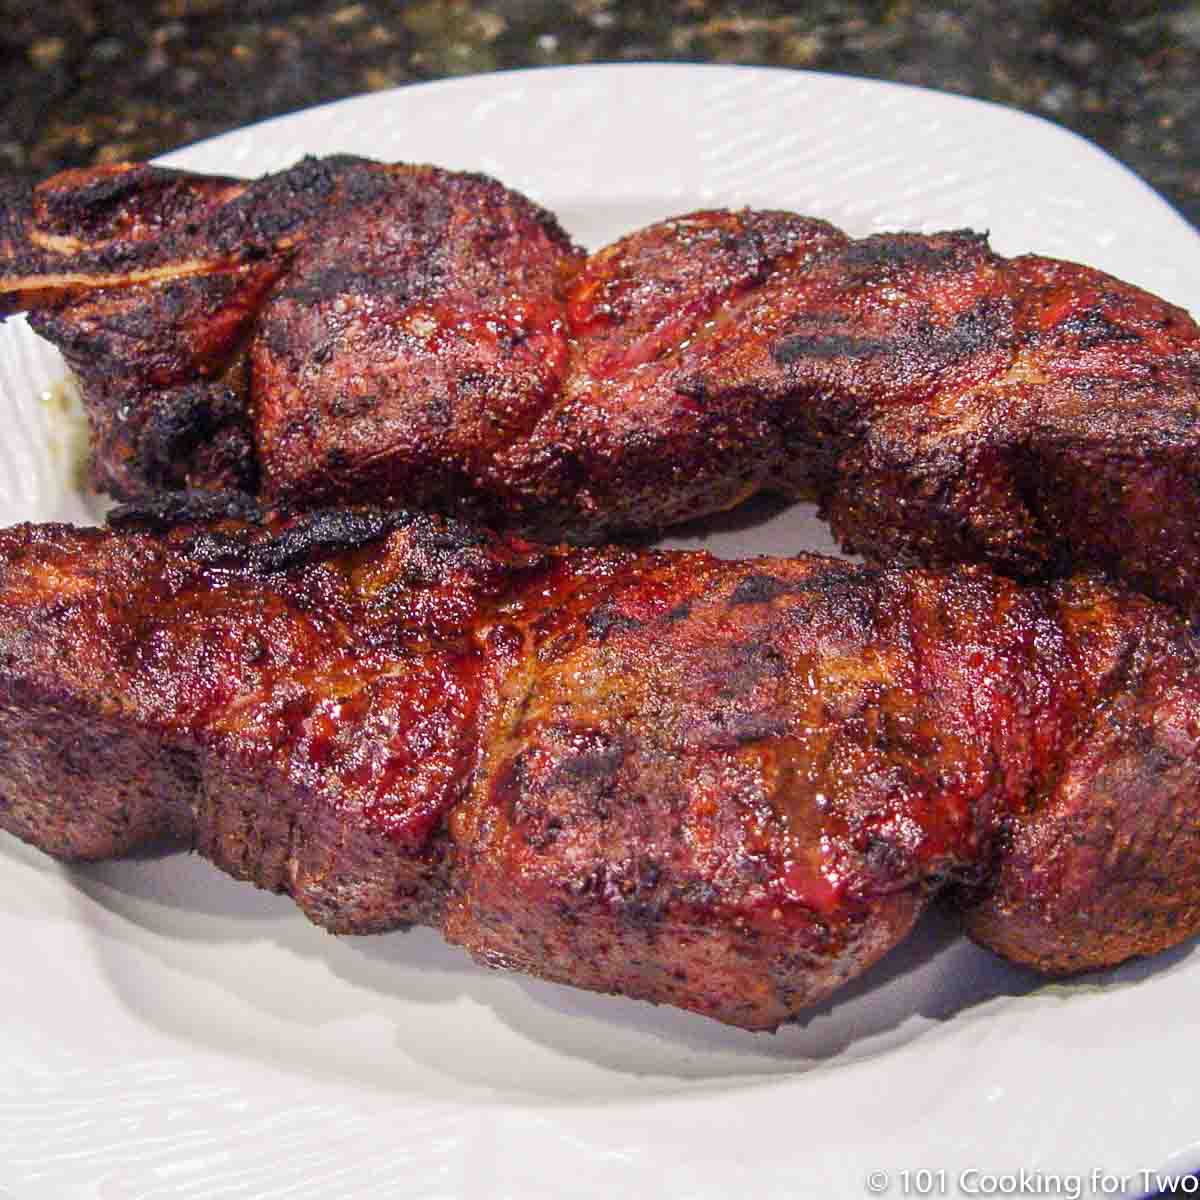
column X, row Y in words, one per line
column 102, row 80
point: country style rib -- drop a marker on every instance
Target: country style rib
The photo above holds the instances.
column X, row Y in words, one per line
column 349, row 331
column 727, row 786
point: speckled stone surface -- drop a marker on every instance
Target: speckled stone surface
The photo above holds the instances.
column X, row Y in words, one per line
column 101, row 80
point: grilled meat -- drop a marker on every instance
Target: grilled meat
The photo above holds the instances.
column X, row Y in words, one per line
column 728, row 786
column 183, row 303
column 348, row 331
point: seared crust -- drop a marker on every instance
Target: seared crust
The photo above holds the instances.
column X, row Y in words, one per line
column 357, row 332
column 726, row 786
column 1104, row 863
column 415, row 336
column 149, row 281
column 1075, row 447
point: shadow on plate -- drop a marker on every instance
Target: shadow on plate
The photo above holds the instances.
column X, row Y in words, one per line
column 199, row 957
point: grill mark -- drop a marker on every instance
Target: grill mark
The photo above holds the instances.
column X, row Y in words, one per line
column 885, row 250
column 329, row 282
column 831, row 345
column 978, row 329
column 1095, row 329
column 757, row 589
column 315, row 535
column 165, row 510
column 606, row 620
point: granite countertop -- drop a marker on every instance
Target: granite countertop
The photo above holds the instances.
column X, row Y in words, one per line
column 102, row 80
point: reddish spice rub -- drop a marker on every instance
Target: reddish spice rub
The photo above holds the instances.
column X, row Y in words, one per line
column 728, row 786
column 350, row 331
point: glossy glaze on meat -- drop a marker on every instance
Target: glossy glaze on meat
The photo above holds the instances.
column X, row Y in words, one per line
column 346, row 331
column 728, row 786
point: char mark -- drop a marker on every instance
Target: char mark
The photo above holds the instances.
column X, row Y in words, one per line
column 758, row 589
column 315, row 535
column 89, row 206
column 342, row 281
column 836, row 578
column 305, row 536
column 907, row 250
column 449, row 534
column 180, row 421
column 979, row 328
column 723, row 729
column 164, row 511
column 596, row 765
column 833, row 345
column 1095, row 329
column 849, row 590
column 280, row 204
column 605, row 620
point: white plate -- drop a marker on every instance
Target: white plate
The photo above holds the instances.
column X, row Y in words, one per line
column 170, row 1033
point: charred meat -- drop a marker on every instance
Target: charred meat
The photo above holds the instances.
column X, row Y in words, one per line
column 727, row 786
column 346, row 331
